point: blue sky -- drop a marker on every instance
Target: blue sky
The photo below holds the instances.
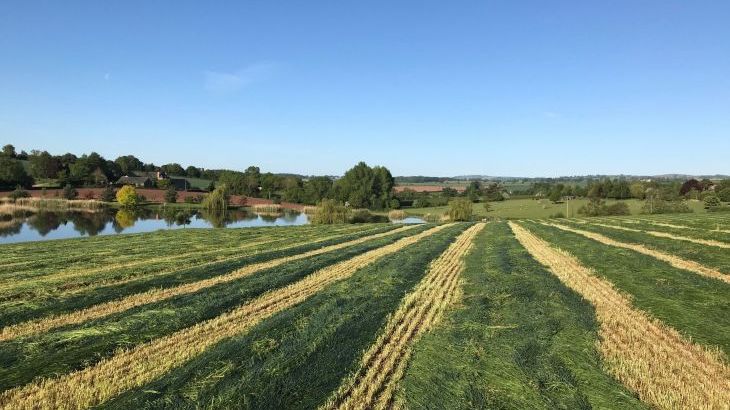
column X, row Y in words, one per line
column 523, row 88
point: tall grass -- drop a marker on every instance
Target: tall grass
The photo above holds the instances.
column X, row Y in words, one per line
column 267, row 208
column 665, row 369
column 397, row 215
column 56, row 204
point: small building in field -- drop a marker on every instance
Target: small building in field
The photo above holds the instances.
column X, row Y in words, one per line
column 180, row 184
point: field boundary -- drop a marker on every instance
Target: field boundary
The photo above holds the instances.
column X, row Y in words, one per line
column 665, row 369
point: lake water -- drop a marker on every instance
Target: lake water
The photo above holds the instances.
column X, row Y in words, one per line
column 44, row 226
column 59, row 225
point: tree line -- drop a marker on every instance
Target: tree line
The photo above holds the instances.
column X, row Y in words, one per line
column 360, row 187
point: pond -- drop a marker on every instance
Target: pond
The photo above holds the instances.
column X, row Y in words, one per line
column 47, row 225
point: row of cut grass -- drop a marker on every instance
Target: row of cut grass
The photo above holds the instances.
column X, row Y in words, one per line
column 46, row 302
column 129, row 369
column 72, row 279
column 297, row 358
column 519, row 339
column 75, row 256
column 694, row 305
column 715, row 258
column 75, row 346
column 156, row 295
column 665, row 369
column 674, row 229
column 382, row 366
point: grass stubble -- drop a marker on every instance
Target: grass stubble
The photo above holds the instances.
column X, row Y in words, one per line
column 665, row 369
column 373, row 385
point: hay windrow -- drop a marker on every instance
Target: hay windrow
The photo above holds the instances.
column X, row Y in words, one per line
column 708, row 242
column 675, row 261
column 155, row 295
column 128, row 369
column 382, row 366
column 665, row 369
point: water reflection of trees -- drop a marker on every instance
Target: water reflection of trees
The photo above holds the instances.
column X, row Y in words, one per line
column 93, row 223
column 11, row 226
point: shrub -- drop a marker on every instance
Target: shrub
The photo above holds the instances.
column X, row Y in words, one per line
column 362, row 216
column 394, row 204
column 712, row 201
column 171, row 195
column 127, row 197
column 460, row 209
column 69, row 192
column 661, row 206
column 108, row 194
column 330, row 212
column 19, row 193
column 217, row 200
column 598, row 207
column 724, row 195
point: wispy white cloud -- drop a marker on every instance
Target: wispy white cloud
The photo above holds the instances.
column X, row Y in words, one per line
column 223, row 83
column 107, row 76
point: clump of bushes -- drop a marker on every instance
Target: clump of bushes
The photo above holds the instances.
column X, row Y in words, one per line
column 362, row 216
column 171, row 195
column 108, row 194
column 19, row 193
column 69, row 192
column 460, row 209
column 598, row 207
column 330, row 212
column 217, row 200
column 127, row 197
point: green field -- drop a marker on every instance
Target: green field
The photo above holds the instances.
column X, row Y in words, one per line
column 532, row 208
column 563, row 313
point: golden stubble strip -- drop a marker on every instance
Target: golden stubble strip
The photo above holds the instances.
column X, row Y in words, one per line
column 675, row 261
column 665, row 369
column 41, row 325
column 708, row 242
column 133, row 368
column 382, row 366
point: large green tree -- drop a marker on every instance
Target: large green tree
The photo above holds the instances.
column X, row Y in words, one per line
column 12, row 173
column 365, row 187
column 129, row 163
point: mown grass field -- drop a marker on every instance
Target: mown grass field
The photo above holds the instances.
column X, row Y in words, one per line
column 579, row 313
